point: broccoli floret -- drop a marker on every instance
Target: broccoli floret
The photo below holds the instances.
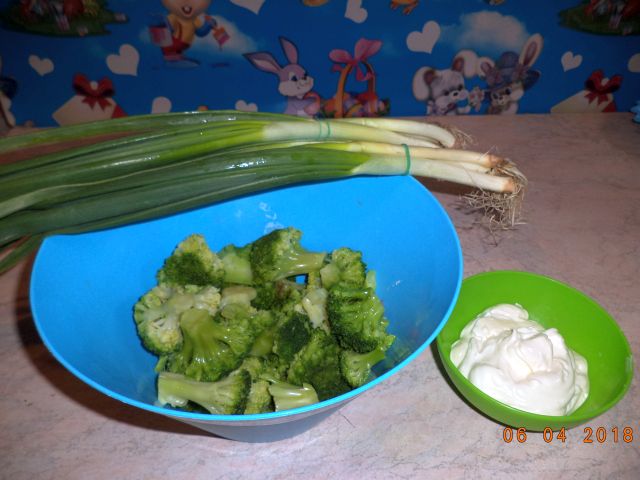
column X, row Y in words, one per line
column 241, row 294
column 282, row 295
column 266, row 296
column 284, row 338
column 356, row 367
column 356, row 317
column 237, row 264
column 254, row 365
column 274, row 368
column 287, row 396
column 345, row 267
column 238, row 325
column 260, row 399
column 292, row 333
column 267, row 367
column 318, row 363
column 263, row 345
column 227, row 396
column 157, row 314
column 314, row 304
column 192, row 263
column 279, row 255
column 203, row 356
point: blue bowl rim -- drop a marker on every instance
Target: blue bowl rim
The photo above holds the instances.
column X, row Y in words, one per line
column 303, row 411
column 577, row 417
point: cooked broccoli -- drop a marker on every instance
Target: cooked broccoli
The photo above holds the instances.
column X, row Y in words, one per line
column 284, row 337
column 237, row 294
column 260, row 399
column 345, row 267
column 282, row 295
column 287, row 396
column 314, row 303
column 254, row 365
column 314, row 280
column 356, row 367
column 238, row 325
column 268, row 326
column 237, row 264
column 370, row 280
column 356, row 317
column 192, row 263
column 279, row 255
column 318, row 363
column 203, row 356
column 266, row 367
column 227, row 396
column 263, row 345
column 291, row 334
column 157, row 314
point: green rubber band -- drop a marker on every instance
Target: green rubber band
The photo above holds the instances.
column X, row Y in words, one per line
column 407, row 156
column 324, row 136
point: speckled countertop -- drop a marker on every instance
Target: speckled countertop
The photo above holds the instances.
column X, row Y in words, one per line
column 582, row 227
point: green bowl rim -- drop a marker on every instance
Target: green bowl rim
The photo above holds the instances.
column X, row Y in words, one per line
column 573, row 419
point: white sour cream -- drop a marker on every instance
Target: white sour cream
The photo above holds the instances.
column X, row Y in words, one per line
column 516, row 361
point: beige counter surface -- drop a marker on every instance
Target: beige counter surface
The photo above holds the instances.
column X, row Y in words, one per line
column 582, row 214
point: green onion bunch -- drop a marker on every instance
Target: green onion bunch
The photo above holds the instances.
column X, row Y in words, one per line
column 142, row 167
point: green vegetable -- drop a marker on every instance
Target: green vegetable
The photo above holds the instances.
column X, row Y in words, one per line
column 237, row 264
column 281, row 295
column 356, row 367
column 309, row 327
column 279, row 255
column 260, row 399
column 356, row 316
column 157, row 314
column 238, row 325
column 314, row 303
column 287, row 396
column 203, row 355
column 227, row 396
column 291, row 335
column 346, row 267
column 318, row 363
column 192, row 263
column 164, row 164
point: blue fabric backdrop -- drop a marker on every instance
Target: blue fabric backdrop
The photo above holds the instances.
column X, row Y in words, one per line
column 79, row 60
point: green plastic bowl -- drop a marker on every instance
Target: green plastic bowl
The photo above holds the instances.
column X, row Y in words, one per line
column 586, row 327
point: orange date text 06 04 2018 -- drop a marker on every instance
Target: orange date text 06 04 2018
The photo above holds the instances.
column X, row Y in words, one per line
column 597, row 435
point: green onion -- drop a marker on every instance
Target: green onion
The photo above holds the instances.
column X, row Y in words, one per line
column 165, row 164
column 132, row 125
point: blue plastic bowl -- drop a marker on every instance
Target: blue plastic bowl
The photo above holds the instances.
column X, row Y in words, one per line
column 83, row 287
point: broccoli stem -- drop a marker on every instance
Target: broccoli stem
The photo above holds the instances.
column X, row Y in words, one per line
column 227, row 396
column 287, row 396
column 356, row 367
column 278, row 255
column 299, row 263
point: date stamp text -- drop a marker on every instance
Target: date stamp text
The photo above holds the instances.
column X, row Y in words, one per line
column 589, row 435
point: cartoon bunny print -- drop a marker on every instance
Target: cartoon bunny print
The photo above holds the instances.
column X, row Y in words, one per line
column 293, row 81
column 510, row 76
column 444, row 91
